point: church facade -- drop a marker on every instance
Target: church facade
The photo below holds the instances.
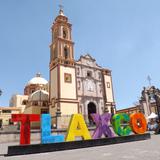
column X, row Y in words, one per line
column 94, row 86
column 76, row 86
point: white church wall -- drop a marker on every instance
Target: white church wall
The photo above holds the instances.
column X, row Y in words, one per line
column 54, row 84
column 68, row 89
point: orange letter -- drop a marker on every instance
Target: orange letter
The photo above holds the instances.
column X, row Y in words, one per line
column 138, row 123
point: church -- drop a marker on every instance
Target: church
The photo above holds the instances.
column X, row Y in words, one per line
column 74, row 86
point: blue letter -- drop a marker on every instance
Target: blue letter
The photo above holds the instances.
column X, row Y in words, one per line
column 46, row 136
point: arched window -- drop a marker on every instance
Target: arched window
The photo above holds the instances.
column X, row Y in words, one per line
column 79, row 85
column 24, row 102
column 78, row 71
column 100, row 88
column 89, row 74
column 55, row 34
column 65, row 33
column 45, row 104
column 55, row 52
column 99, row 76
column 35, row 103
column 65, row 52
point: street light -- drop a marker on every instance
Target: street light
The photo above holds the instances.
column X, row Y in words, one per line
column 58, row 114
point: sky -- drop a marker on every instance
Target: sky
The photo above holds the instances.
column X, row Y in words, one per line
column 122, row 35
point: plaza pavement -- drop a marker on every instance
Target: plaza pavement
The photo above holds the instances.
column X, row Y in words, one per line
column 147, row 150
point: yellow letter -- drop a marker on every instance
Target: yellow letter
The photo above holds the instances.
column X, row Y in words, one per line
column 77, row 128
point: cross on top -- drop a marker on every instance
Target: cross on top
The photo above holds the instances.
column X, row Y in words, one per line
column 61, row 8
column 60, row 5
column 149, row 80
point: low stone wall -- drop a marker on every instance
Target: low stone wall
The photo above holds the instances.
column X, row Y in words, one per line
column 15, row 137
column 6, row 137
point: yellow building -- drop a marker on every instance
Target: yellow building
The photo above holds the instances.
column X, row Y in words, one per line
column 35, row 99
column 19, row 101
column 130, row 110
column 5, row 115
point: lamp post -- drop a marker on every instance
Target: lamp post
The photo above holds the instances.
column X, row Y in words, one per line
column 58, row 114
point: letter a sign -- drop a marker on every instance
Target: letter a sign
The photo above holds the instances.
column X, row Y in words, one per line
column 77, row 128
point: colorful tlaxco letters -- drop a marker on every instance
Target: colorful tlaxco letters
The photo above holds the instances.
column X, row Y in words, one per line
column 122, row 124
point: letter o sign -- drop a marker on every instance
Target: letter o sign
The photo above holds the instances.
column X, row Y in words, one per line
column 138, row 123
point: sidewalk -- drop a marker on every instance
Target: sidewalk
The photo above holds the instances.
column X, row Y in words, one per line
column 147, row 149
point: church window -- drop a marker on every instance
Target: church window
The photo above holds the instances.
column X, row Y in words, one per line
column 89, row 74
column 108, row 85
column 64, row 34
column 35, row 103
column 79, row 85
column 44, row 111
column 24, row 102
column 10, row 122
column 99, row 75
column 54, row 52
column 6, row 111
column 100, row 88
column 55, row 34
column 32, row 90
column 78, row 71
column 65, row 52
column 45, row 104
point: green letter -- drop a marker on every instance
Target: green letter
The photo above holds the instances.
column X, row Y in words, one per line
column 119, row 119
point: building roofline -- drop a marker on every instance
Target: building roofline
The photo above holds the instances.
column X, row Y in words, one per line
column 9, row 108
column 128, row 108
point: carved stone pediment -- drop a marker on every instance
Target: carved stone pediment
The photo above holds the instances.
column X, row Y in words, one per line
column 88, row 60
column 88, row 57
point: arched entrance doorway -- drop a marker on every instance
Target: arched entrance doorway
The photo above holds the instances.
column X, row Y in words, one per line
column 91, row 109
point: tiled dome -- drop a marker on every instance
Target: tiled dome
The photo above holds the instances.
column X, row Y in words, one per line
column 38, row 80
column 39, row 95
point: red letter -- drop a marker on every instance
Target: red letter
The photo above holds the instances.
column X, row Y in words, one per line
column 138, row 123
column 25, row 120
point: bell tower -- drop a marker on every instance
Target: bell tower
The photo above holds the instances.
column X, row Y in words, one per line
column 62, row 44
column 63, row 86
